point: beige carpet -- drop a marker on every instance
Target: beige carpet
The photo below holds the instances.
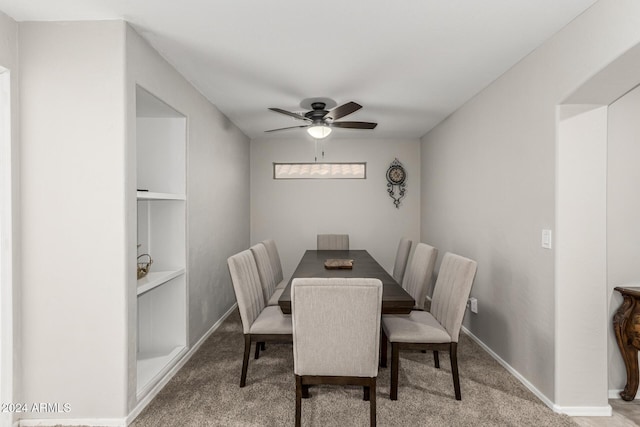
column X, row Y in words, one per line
column 206, row 392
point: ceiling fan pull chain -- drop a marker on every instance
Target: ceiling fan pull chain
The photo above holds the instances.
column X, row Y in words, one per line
column 315, row 142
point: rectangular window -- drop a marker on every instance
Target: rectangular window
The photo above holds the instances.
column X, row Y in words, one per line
column 320, row 170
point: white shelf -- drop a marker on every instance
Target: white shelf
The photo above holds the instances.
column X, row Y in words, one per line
column 155, row 279
column 153, row 366
column 149, row 195
column 161, row 303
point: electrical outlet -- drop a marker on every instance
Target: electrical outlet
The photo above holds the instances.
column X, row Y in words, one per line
column 473, row 303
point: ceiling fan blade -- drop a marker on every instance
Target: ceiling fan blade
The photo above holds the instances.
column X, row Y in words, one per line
column 292, row 127
column 343, row 110
column 289, row 113
column 354, row 125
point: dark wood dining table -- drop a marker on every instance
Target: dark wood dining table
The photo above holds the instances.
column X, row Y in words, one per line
column 395, row 300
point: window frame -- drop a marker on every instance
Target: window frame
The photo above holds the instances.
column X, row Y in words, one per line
column 318, row 177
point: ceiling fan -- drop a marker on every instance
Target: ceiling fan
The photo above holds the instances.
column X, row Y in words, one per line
column 320, row 121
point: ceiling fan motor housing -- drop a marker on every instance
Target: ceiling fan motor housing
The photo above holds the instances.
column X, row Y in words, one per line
column 318, row 112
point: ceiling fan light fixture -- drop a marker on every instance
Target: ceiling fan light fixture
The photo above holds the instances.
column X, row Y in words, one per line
column 319, row 131
column 319, row 121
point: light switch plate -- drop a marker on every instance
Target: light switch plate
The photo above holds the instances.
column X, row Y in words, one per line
column 546, row 239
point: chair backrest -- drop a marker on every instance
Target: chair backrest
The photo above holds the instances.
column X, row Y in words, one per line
column 451, row 292
column 246, row 285
column 265, row 272
column 420, row 272
column 274, row 256
column 333, row 242
column 402, row 256
column 336, row 326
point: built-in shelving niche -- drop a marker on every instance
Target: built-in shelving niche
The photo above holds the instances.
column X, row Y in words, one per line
column 161, row 232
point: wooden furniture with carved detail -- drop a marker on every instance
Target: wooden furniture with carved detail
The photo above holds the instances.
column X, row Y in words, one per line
column 626, row 324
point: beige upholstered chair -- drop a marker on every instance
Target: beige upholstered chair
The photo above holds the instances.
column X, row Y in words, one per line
column 420, row 272
column 437, row 330
column 402, row 256
column 266, row 274
column 276, row 264
column 331, row 242
column 336, row 331
column 260, row 323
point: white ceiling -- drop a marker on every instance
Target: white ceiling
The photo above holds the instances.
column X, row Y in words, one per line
column 410, row 63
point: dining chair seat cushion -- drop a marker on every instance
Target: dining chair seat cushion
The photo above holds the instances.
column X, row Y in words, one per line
column 437, row 329
column 260, row 323
column 416, row 327
column 282, row 284
column 271, row 321
column 275, row 297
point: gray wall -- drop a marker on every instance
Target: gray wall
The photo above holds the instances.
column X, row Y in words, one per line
column 293, row 212
column 581, row 322
column 10, row 226
column 73, row 215
column 78, row 203
column 488, row 181
column 217, row 183
column 217, row 187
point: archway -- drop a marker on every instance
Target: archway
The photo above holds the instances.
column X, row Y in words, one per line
column 585, row 194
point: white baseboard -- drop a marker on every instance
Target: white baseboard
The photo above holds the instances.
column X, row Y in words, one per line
column 574, row 411
column 584, row 411
column 154, row 392
column 615, row 394
column 509, row 368
column 124, row 422
column 106, row 422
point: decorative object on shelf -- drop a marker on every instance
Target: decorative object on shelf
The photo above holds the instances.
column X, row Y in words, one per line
column 338, row 264
column 144, row 265
column 396, row 177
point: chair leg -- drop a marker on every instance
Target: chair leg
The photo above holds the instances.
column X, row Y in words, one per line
column 245, row 360
column 436, row 359
column 305, row 392
column 454, row 369
column 257, row 355
column 383, row 348
column 298, row 400
column 372, row 402
column 395, row 361
column 263, row 346
column 367, row 393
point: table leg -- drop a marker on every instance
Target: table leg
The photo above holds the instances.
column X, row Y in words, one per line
column 624, row 325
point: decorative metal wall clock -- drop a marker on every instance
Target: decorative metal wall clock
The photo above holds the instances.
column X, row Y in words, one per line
column 396, row 180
